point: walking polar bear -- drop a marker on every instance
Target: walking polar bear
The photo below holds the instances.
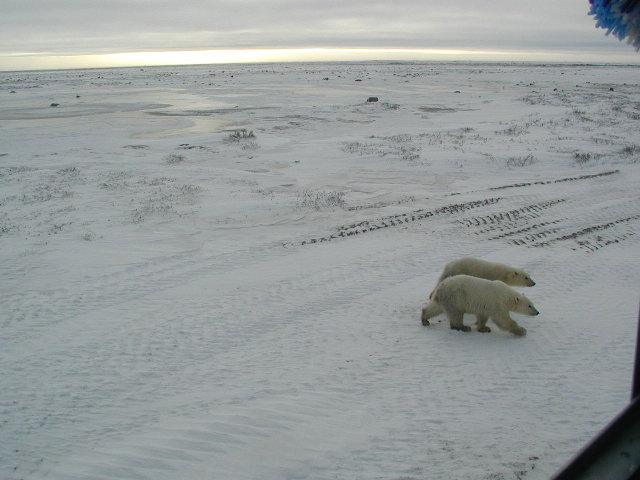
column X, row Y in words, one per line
column 477, row 267
column 493, row 299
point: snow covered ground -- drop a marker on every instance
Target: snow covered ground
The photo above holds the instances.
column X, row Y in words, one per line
column 217, row 272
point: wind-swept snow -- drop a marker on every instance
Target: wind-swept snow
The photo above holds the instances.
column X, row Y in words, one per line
column 218, row 272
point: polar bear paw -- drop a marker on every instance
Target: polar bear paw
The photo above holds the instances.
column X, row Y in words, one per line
column 462, row 328
column 519, row 331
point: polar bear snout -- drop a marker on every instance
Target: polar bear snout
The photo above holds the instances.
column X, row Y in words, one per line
column 522, row 304
column 523, row 279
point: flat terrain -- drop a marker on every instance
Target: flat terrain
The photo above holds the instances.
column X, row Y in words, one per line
column 218, row 272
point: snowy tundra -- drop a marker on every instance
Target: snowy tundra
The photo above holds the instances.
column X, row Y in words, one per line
column 218, row 271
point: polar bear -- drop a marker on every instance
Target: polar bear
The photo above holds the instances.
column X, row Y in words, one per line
column 476, row 267
column 493, row 299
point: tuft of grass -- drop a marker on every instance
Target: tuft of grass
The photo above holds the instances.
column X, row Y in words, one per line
column 582, row 158
column 513, row 131
column 581, row 115
column 244, row 138
column 401, row 146
column 521, row 161
column 174, row 159
column 630, row 150
column 453, row 138
column 320, row 199
column 631, row 153
column 240, row 135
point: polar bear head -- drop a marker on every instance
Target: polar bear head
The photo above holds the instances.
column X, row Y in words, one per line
column 518, row 277
column 521, row 304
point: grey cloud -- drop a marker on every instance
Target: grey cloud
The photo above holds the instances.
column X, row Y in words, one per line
column 88, row 26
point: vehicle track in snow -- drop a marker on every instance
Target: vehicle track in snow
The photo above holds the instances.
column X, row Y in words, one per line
column 585, row 220
column 501, row 221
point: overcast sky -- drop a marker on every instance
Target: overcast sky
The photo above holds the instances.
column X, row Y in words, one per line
column 34, row 30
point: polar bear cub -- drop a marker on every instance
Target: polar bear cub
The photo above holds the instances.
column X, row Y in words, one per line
column 476, row 267
column 493, row 299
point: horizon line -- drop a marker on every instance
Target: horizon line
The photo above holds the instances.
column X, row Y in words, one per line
column 26, row 61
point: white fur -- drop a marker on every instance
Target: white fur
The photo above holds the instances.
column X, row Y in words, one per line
column 476, row 267
column 486, row 299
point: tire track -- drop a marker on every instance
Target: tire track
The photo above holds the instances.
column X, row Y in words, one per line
column 510, row 218
column 367, row 226
column 557, row 180
column 527, row 229
column 587, row 220
column 597, row 241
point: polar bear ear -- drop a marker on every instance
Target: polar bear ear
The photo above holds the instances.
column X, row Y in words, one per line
column 516, row 300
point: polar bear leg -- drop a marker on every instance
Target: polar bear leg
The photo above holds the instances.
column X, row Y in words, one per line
column 482, row 323
column 455, row 320
column 431, row 310
column 505, row 322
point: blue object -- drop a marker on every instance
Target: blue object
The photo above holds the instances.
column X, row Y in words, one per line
column 619, row 17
